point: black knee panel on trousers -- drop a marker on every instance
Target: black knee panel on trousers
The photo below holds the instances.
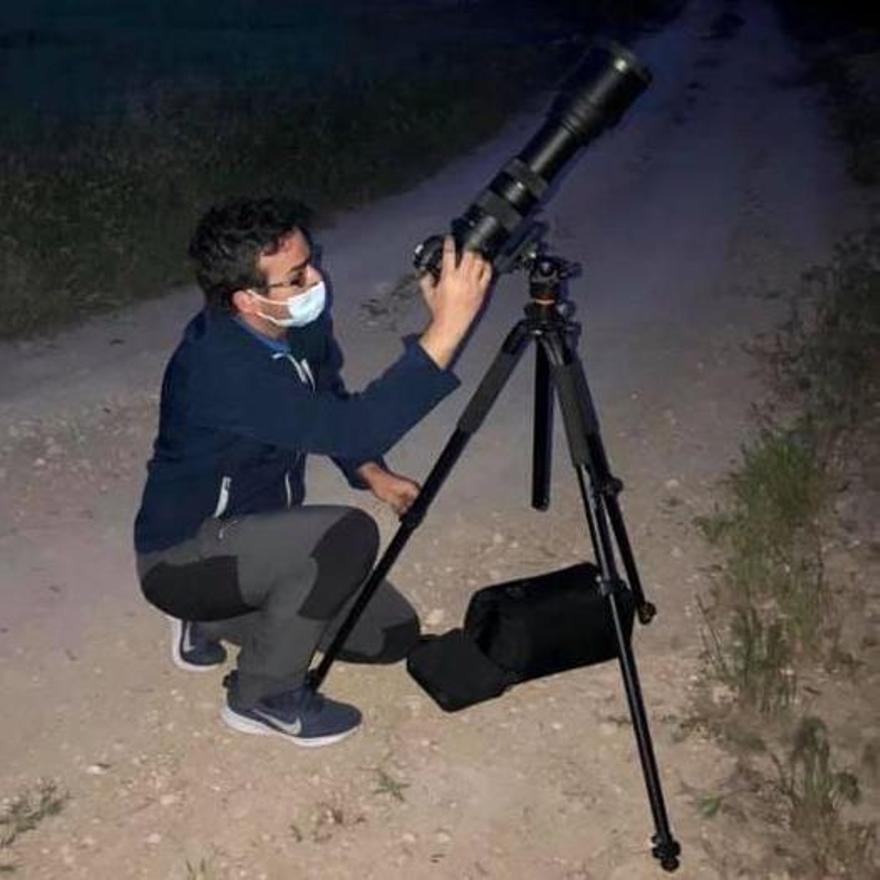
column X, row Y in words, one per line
column 400, row 639
column 203, row 590
column 397, row 642
column 345, row 555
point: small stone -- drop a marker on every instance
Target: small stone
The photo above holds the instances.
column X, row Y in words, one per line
column 66, row 855
column 442, row 836
column 672, row 484
column 721, row 694
column 96, row 769
column 154, row 838
column 168, row 799
column 408, row 837
column 677, row 552
column 435, row 617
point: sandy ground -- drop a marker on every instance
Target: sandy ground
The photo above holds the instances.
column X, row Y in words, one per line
column 719, row 188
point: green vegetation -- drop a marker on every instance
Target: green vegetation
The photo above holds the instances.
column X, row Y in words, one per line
column 771, row 607
column 827, row 352
column 387, row 784
column 200, row 870
column 98, row 213
column 752, row 657
column 25, row 811
column 772, row 618
column 815, row 793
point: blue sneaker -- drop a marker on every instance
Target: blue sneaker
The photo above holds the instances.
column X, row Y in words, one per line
column 302, row 716
column 191, row 649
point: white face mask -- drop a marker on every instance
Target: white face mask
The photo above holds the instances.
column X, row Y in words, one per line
column 302, row 308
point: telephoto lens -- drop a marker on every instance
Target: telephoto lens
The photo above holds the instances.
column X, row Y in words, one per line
column 593, row 98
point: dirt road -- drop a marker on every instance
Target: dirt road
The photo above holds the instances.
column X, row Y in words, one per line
column 719, row 188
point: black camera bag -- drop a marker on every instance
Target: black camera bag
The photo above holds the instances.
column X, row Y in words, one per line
column 540, row 625
column 520, row 630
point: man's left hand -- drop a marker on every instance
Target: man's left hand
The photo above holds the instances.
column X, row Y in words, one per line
column 395, row 490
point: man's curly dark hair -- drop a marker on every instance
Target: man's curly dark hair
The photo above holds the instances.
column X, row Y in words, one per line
column 231, row 237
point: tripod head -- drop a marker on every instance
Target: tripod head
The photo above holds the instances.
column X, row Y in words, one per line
column 548, row 275
column 547, row 272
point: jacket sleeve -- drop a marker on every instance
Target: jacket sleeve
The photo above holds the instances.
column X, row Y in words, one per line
column 248, row 398
column 331, row 379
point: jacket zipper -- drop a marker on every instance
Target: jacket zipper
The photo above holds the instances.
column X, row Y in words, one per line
column 223, row 498
column 304, row 372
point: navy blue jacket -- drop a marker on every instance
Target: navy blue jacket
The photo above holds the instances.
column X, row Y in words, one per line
column 236, row 422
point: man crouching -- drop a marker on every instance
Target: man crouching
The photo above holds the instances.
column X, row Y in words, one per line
column 225, row 545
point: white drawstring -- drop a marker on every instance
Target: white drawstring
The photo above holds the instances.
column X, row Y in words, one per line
column 303, row 370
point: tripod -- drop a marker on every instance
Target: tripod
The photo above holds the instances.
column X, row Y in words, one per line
column 548, row 323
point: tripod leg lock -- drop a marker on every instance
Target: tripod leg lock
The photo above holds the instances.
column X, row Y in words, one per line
column 611, row 586
column 646, row 612
column 611, row 487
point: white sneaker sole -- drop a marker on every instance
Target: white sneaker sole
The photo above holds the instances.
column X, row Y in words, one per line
column 177, row 657
column 248, row 725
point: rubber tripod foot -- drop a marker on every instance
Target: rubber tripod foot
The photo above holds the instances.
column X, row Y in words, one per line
column 667, row 853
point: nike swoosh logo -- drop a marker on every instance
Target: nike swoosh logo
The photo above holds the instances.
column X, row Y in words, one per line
column 293, row 728
column 187, row 638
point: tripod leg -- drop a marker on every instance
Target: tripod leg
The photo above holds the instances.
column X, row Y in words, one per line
column 479, row 405
column 609, row 486
column 542, row 432
column 583, row 445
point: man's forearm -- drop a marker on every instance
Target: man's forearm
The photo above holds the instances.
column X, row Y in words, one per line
column 440, row 344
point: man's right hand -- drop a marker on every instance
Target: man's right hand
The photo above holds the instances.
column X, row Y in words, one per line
column 453, row 300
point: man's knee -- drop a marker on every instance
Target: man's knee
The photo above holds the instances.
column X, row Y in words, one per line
column 400, row 639
column 344, row 556
column 396, row 642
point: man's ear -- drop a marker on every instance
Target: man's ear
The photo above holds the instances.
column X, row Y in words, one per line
column 244, row 302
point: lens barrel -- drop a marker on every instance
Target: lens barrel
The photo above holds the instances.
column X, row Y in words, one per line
column 593, row 98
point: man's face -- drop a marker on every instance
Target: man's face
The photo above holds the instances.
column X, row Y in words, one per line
column 288, row 272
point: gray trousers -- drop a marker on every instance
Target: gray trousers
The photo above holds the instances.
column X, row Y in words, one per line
column 291, row 576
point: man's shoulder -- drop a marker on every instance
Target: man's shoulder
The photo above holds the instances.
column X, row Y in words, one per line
column 211, row 334
column 212, row 351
